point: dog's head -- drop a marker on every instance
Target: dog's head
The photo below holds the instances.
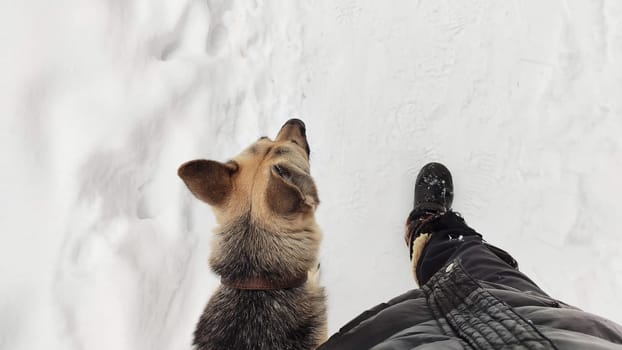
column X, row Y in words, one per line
column 270, row 180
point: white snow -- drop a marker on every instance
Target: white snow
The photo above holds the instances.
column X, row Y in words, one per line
column 102, row 247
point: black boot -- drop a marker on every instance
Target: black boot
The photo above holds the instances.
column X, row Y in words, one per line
column 434, row 188
column 434, row 194
column 432, row 214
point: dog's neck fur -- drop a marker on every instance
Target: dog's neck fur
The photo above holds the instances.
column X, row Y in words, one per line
column 245, row 250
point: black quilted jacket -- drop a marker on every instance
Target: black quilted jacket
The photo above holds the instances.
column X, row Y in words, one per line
column 453, row 310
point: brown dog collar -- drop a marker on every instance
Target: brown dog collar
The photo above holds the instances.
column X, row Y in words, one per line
column 259, row 283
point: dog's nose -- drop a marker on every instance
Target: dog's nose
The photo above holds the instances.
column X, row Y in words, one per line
column 299, row 123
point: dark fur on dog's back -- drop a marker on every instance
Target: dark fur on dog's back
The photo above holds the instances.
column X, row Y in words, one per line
column 280, row 319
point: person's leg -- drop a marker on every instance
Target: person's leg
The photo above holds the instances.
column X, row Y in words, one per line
column 450, row 237
column 435, row 234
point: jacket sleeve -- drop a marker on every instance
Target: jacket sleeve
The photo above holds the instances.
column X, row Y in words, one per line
column 376, row 324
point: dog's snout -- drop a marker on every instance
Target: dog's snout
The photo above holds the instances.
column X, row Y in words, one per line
column 295, row 131
column 297, row 122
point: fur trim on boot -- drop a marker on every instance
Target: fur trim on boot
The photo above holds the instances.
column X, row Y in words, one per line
column 418, row 245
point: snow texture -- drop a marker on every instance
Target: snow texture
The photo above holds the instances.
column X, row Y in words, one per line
column 102, row 247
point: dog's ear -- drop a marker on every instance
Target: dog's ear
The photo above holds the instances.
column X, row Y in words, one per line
column 208, row 180
column 291, row 190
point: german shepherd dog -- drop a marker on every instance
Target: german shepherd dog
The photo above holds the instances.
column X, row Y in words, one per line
column 265, row 248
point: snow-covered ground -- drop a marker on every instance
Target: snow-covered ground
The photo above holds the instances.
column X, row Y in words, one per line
column 102, row 247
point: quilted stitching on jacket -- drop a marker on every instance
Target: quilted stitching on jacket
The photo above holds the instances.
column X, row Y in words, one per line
column 474, row 315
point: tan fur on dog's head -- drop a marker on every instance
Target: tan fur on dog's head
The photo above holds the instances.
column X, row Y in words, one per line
column 264, row 200
column 270, row 180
